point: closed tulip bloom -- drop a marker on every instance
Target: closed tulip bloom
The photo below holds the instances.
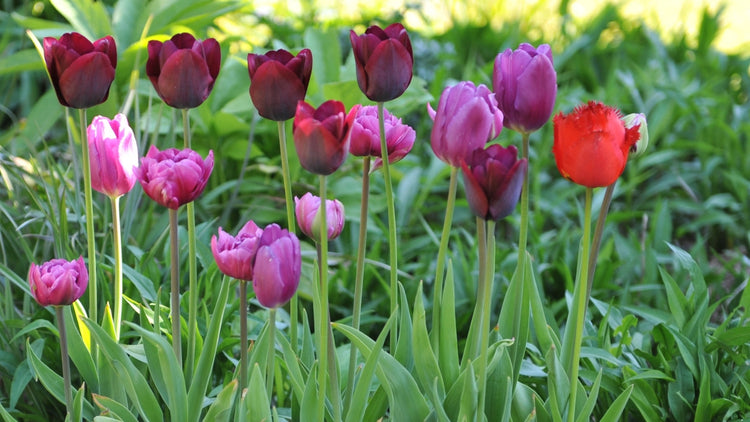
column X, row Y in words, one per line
column 278, row 81
column 639, row 120
column 277, row 267
column 58, row 282
column 235, row 254
column 308, row 217
column 183, row 69
column 174, row 177
column 81, row 71
column 493, row 178
column 591, row 144
column 113, row 155
column 321, row 136
column 365, row 136
column 466, row 119
column 384, row 60
column 525, row 85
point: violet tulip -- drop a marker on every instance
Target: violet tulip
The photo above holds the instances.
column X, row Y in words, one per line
column 235, row 254
column 58, row 282
column 467, row 118
column 493, row 178
column 384, row 61
column 321, row 136
column 365, row 136
column 183, row 69
column 174, row 177
column 277, row 266
column 278, row 81
column 306, row 209
column 525, row 85
column 81, row 71
column 113, row 155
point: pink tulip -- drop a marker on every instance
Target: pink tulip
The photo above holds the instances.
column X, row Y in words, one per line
column 235, row 255
column 174, row 177
column 113, row 155
column 306, row 209
column 277, row 267
column 365, row 136
column 58, row 282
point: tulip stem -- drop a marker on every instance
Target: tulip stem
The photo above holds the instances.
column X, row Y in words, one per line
column 118, row 263
column 522, row 240
column 93, row 310
column 440, row 267
column 323, row 317
column 486, row 305
column 603, row 210
column 65, row 359
column 175, row 286
column 192, row 265
column 271, row 350
column 243, row 336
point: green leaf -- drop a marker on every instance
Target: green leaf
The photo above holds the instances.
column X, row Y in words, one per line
column 6, row 416
column 469, row 397
column 615, row 409
column 584, row 414
column 448, row 341
column 677, row 301
column 125, row 21
column 703, row 407
column 309, row 406
column 21, row 61
column 294, row 371
column 426, row 365
column 87, row 17
column 221, row 409
column 258, row 406
column 113, row 407
column 76, row 413
column 78, row 352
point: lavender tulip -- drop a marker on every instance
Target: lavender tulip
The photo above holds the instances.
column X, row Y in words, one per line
column 493, row 178
column 58, row 282
column 235, row 254
column 365, row 136
column 174, row 177
column 306, row 209
column 277, row 267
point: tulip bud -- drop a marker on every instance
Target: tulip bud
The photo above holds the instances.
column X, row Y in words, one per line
column 384, row 61
column 309, row 218
column 113, row 155
column 493, row 178
column 365, row 136
column 277, row 267
column 321, row 136
column 58, row 282
column 638, row 120
column 278, row 81
column 173, row 177
column 235, row 255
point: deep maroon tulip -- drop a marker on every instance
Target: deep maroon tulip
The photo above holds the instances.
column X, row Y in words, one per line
column 113, row 155
column 306, row 209
column 58, row 282
column 183, row 69
column 81, row 72
column 365, row 136
column 174, row 177
column 321, row 136
column 278, row 81
column 277, row 267
column 466, row 119
column 235, row 255
column 384, row 61
column 525, row 84
column 493, row 178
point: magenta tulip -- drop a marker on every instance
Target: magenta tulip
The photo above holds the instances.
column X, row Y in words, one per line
column 493, row 178
column 306, row 209
column 321, row 136
column 365, row 136
column 81, row 71
column 384, row 60
column 466, row 119
column 235, row 254
column 278, row 81
column 174, row 177
column 525, row 85
column 58, row 282
column 183, row 69
column 277, row 267
column 113, row 155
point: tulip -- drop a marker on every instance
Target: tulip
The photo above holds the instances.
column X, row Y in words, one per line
column 591, row 144
column 365, row 136
column 278, row 81
column 308, row 218
column 321, row 136
column 174, row 177
column 58, row 282
column 466, row 119
column 114, row 155
column 81, row 71
column 639, row 120
column 493, row 178
column 277, row 267
column 183, row 69
column 384, row 60
column 525, row 85
column 235, row 255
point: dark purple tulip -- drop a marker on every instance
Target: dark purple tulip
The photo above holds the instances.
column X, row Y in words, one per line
column 493, row 178
column 278, row 81
column 174, row 177
column 277, row 267
column 321, row 136
column 384, row 61
column 365, row 136
column 183, row 69
column 525, row 84
column 81, row 72
column 58, row 282
column 235, row 254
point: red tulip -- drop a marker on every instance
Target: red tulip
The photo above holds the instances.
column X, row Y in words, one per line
column 365, row 136
column 277, row 267
column 307, row 211
column 278, row 81
column 321, row 136
column 81, row 72
column 174, row 177
column 384, row 61
column 493, row 178
column 235, row 255
column 591, row 144
column 183, row 69
column 113, row 156
column 58, row 282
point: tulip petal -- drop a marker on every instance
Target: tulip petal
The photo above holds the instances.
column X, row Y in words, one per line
column 275, row 91
column 185, row 81
column 86, row 82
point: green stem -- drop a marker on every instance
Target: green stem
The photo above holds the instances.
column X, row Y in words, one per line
column 175, row 285
column 65, row 359
column 489, row 274
column 323, row 318
column 603, row 210
column 522, row 240
column 192, row 265
column 118, row 263
column 271, row 350
column 93, row 307
column 243, row 336
column 440, row 270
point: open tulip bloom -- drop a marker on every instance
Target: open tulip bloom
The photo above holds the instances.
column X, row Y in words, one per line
column 174, row 177
column 278, row 81
column 58, row 282
column 384, row 61
column 365, row 136
column 235, row 254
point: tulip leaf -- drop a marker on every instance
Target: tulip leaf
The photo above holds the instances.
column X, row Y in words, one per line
column 21, row 61
column 221, row 409
column 291, row 360
column 325, row 47
column 87, row 17
column 257, row 405
column 6, row 416
column 78, row 352
column 113, row 407
column 76, row 412
column 615, row 409
column 448, row 341
column 426, row 365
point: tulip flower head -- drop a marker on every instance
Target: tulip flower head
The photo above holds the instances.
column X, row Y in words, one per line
column 321, row 136
column 183, row 69
column 384, row 60
column 277, row 266
column 278, row 81
column 638, row 119
column 591, row 144
column 365, row 136
column 113, row 155
column 466, row 119
column 81, row 71
column 58, row 282
column 235, row 254
column 174, row 177
column 308, row 217
column 525, row 85
column 493, row 179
